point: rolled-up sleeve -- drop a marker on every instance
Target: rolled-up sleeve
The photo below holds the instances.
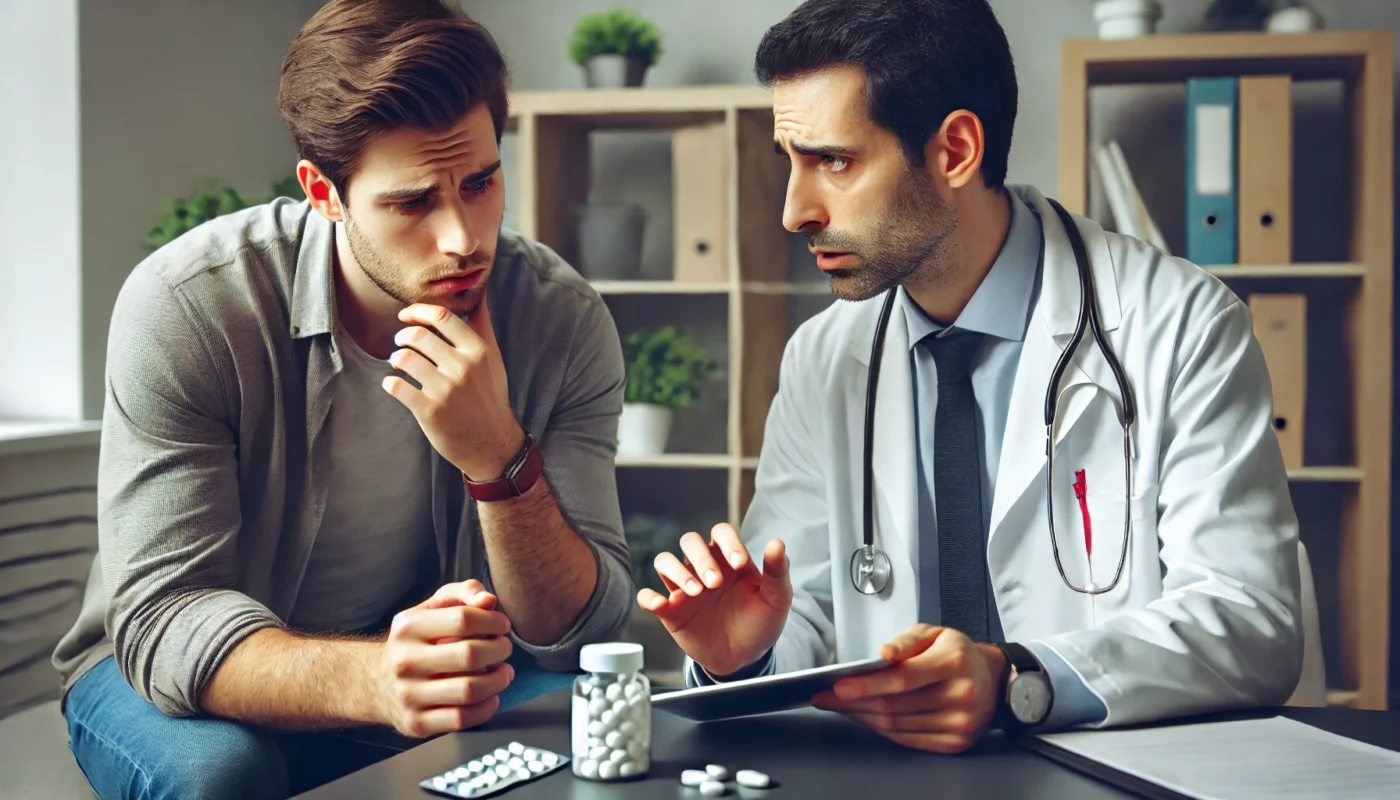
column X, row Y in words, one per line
column 580, row 450
column 168, row 503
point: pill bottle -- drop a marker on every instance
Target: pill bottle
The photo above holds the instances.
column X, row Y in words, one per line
column 611, row 729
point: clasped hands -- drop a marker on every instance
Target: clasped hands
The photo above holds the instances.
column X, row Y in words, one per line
column 940, row 693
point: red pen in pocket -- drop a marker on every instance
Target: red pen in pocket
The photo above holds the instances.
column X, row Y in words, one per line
column 1081, row 491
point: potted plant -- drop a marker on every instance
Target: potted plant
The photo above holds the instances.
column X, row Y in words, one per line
column 615, row 48
column 186, row 213
column 665, row 369
column 1238, row 15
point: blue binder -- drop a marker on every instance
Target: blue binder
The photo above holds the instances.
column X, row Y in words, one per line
column 1212, row 122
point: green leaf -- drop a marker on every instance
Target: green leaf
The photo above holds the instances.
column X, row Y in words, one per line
column 666, row 368
column 617, row 32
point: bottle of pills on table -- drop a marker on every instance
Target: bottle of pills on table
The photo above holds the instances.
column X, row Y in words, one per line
column 611, row 729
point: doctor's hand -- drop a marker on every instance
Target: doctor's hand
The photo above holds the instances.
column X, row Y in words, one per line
column 722, row 611
column 939, row 696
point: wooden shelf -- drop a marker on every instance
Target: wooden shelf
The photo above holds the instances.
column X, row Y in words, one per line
column 678, row 461
column 1233, row 271
column 1326, row 474
column 1320, row 55
column 771, row 287
column 640, row 107
column 661, row 287
column 1343, row 697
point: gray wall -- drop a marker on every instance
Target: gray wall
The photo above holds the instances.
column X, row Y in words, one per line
column 174, row 94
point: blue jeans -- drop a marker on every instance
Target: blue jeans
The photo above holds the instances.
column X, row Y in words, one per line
column 128, row 748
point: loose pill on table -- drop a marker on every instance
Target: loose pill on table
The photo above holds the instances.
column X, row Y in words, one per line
column 712, row 788
column 752, row 779
column 717, row 771
column 694, row 777
column 607, row 770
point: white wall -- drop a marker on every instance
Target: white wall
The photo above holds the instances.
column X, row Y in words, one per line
column 174, row 94
column 39, row 211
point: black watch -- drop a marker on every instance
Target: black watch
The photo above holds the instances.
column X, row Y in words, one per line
column 1029, row 695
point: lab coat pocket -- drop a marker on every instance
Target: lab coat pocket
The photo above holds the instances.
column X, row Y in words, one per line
column 1140, row 578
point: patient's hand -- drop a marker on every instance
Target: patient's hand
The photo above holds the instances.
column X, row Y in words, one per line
column 722, row 611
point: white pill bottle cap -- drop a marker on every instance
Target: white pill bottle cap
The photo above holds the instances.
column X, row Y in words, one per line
column 613, row 657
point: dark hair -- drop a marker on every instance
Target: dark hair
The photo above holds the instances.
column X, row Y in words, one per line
column 922, row 59
column 359, row 68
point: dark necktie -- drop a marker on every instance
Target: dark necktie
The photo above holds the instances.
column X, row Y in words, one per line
column 957, row 491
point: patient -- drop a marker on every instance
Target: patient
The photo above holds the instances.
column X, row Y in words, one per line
column 357, row 453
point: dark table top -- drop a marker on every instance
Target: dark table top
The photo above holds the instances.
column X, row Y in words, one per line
column 808, row 754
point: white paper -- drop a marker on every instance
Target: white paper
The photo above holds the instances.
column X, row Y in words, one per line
column 1275, row 758
column 1215, row 150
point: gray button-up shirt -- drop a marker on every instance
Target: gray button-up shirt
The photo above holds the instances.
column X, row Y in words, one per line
column 213, row 472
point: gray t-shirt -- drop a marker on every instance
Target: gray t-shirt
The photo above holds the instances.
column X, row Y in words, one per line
column 375, row 546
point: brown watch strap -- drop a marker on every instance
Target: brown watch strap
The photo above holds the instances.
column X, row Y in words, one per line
column 518, row 479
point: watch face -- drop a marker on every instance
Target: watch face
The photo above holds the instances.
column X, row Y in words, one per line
column 1030, row 697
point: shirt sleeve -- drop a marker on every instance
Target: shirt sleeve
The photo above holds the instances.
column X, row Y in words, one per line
column 1074, row 703
column 696, row 675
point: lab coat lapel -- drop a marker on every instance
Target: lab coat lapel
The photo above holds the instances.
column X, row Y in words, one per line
column 1023, row 456
column 895, row 452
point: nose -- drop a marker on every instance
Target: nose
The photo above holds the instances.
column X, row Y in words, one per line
column 803, row 208
column 455, row 236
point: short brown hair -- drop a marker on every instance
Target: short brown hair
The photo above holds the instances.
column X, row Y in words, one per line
column 360, row 68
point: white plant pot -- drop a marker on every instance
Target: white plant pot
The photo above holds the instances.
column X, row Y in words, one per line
column 1294, row 19
column 643, row 429
column 1126, row 19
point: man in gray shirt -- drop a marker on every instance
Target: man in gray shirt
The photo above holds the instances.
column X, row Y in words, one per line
column 356, row 450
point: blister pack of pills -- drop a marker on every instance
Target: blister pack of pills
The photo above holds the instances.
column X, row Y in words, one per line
column 495, row 772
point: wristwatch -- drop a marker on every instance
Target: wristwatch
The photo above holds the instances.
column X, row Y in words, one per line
column 1029, row 695
column 518, row 479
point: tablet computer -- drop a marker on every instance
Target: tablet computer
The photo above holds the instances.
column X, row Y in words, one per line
column 763, row 695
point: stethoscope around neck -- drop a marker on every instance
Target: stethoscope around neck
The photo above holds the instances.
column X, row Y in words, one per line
column 871, row 568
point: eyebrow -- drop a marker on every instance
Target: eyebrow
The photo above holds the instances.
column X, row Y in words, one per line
column 811, row 149
column 415, row 192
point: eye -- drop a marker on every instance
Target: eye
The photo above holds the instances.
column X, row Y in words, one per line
column 412, row 206
column 836, row 163
column 480, row 187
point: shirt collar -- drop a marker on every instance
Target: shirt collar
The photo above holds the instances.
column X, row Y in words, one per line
column 1001, row 305
column 311, row 290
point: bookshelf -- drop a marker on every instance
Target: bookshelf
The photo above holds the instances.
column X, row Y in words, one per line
column 1359, row 532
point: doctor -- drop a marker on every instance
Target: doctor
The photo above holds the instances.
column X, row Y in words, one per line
column 896, row 116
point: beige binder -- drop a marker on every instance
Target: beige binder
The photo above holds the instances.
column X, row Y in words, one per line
column 1266, row 170
column 1280, row 325
column 699, row 163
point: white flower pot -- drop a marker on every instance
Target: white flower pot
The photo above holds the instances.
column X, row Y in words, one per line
column 643, row 429
column 1126, row 19
column 1294, row 19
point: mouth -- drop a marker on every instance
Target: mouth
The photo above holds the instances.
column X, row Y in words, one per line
column 458, row 282
column 828, row 261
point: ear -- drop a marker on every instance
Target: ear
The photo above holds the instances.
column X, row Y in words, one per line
column 954, row 153
column 322, row 193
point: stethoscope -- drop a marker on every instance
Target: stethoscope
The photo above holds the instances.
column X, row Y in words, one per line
column 870, row 567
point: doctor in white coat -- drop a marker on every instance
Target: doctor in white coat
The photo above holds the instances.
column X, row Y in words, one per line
column 896, row 116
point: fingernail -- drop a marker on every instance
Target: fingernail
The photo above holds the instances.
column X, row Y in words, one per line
column 692, row 586
column 711, row 578
column 735, row 560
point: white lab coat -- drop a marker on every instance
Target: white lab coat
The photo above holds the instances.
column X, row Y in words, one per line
column 1207, row 613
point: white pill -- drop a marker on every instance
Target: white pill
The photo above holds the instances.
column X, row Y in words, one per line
column 530, row 754
column 616, row 740
column 607, row 770
column 535, row 766
column 515, row 748
column 627, row 728
column 637, row 749
column 588, row 768
column 503, row 771
column 439, row 783
column 596, row 706
column 712, row 788
column 620, row 708
column 585, row 689
column 486, row 778
column 693, row 777
column 596, row 741
column 596, row 728
column 613, row 692
column 516, row 763
column 628, row 768
column 461, row 773
column 502, row 754
column 751, row 778
column 487, row 761
column 717, row 771
column 523, row 774
column 598, row 753
column 466, row 789
column 608, row 718
column 549, row 759
column 632, row 690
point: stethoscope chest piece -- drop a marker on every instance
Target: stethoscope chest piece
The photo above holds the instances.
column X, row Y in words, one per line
column 870, row 570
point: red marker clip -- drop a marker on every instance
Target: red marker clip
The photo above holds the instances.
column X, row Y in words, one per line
column 1081, row 491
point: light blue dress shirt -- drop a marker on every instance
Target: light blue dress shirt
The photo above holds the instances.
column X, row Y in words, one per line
column 1000, row 309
